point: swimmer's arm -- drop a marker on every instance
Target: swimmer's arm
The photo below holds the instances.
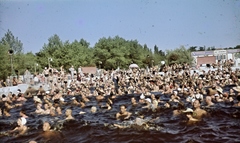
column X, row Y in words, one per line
column 11, row 131
column 128, row 116
column 119, row 126
column 9, row 106
column 23, row 131
column 81, row 112
column 205, row 113
column 117, row 116
column 145, row 107
column 17, row 105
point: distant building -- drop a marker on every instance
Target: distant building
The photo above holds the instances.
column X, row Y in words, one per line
column 89, row 70
column 208, row 57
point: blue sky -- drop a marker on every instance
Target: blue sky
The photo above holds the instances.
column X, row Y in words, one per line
column 165, row 23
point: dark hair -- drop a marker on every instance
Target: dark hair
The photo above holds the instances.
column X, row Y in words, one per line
column 23, row 111
column 124, row 106
column 238, row 97
column 56, row 100
column 57, row 91
column 20, row 94
column 198, row 101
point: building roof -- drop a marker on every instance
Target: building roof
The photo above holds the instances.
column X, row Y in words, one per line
column 206, row 53
column 91, row 70
column 202, row 53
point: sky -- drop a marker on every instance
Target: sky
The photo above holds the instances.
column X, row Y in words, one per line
column 168, row 24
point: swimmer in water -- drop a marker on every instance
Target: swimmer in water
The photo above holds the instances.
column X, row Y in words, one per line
column 50, row 135
column 189, row 114
column 46, row 127
column 93, row 109
column 22, row 128
column 123, row 114
column 198, row 112
column 68, row 113
column 39, row 109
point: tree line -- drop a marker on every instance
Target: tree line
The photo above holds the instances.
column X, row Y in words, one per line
column 108, row 53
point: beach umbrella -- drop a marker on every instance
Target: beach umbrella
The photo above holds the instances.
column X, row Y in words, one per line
column 133, row 66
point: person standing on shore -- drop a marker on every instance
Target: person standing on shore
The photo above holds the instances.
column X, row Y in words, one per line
column 72, row 71
column 46, row 75
column 27, row 76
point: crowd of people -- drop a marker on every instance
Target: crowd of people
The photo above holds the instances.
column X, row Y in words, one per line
column 177, row 88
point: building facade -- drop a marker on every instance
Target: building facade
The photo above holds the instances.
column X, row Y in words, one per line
column 210, row 57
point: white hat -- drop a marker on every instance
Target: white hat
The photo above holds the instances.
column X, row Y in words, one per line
column 23, row 120
column 148, row 99
column 62, row 99
column 47, row 92
column 188, row 110
column 142, row 96
column 38, row 100
column 175, row 92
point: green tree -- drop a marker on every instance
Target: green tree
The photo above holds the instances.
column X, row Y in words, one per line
column 179, row 55
column 202, row 48
column 237, row 47
column 5, row 66
column 13, row 42
column 192, row 48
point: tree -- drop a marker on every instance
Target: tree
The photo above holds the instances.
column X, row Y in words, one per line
column 14, row 44
column 65, row 53
column 237, row 47
column 192, row 48
column 179, row 55
column 155, row 49
column 5, row 66
column 10, row 43
column 84, row 43
column 202, row 48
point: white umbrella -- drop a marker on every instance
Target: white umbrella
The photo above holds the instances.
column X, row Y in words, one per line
column 133, row 66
